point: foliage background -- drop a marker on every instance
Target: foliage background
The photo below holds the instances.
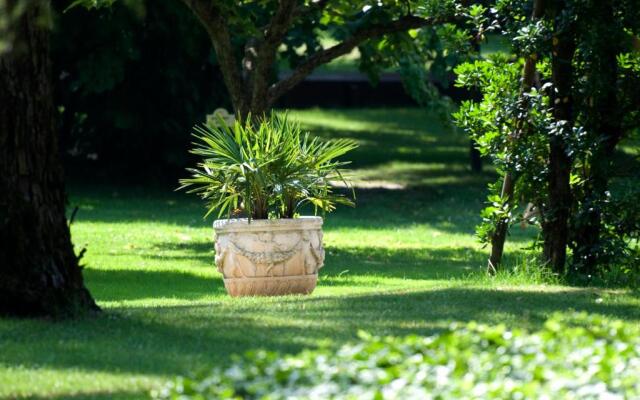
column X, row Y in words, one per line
column 130, row 83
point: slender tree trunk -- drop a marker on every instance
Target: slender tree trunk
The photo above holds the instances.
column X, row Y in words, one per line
column 528, row 78
column 500, row 235
column 556, row 228
column 39, row 272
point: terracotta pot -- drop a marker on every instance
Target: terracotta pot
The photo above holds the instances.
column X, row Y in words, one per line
column 269, row 257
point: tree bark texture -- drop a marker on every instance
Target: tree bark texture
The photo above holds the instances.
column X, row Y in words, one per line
column 213, row 21
column 508, row 186
column 39, row 271
column 555, row 229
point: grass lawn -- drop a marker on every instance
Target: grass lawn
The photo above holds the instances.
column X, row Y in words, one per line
column 404, row 261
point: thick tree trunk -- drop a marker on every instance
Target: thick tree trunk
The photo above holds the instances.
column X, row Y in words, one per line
column 528, row 78
column 39, row 272
column 605, row 123
column 555, row 228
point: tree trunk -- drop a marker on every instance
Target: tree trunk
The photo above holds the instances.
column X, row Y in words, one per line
column 555, row 228
column 39, row 272
column 605, row 123
column 500, row 235
column 528, row 78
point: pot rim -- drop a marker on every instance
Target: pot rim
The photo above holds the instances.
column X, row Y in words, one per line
column 302, row 223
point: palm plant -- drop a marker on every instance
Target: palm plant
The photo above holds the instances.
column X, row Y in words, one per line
column 268, row 168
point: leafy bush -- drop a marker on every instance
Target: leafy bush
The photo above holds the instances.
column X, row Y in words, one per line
column 618, row 249
column 570, row 357
column 490, row 122
column 268, row 168
column 554, row 126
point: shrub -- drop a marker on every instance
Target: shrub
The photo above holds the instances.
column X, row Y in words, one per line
column 570, row 357
column 268, row 168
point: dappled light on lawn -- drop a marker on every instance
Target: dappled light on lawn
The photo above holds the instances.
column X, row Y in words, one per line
column 405, row 261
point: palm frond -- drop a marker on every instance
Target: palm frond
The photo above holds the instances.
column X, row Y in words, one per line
column 266, row 168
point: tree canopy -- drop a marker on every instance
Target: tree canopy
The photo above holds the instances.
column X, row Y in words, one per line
column 251, row 37
column 552, row 120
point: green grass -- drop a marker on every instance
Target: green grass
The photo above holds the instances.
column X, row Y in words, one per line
column 404, row 261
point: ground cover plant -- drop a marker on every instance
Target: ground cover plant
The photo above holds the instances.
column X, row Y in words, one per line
column 401, row 263
column 570, row 357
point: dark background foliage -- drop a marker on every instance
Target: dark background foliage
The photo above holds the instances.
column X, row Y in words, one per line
column 132, row 79
column 130, row 83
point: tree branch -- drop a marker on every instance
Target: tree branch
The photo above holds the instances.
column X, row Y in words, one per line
column 216, row 26
column 315, row 6
column 266, row 52
column 322, row 57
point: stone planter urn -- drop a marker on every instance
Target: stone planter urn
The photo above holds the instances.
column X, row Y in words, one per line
column 269, row 257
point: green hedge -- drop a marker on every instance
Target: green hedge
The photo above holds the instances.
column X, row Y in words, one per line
column 570, row 357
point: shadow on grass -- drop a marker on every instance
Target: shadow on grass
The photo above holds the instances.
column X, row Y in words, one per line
column 414, row 264
column 423, row 263
column 398, row 135
column 119, row 285
column 444, row 208
column 183, row 339
column 346, row 263
column 383, row 147
column 348, row 267
column 411, row 121
column 422, row 311
column 191, row 248
column 438, row 192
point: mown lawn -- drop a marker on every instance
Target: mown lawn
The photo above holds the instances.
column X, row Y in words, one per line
column 404, row 261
